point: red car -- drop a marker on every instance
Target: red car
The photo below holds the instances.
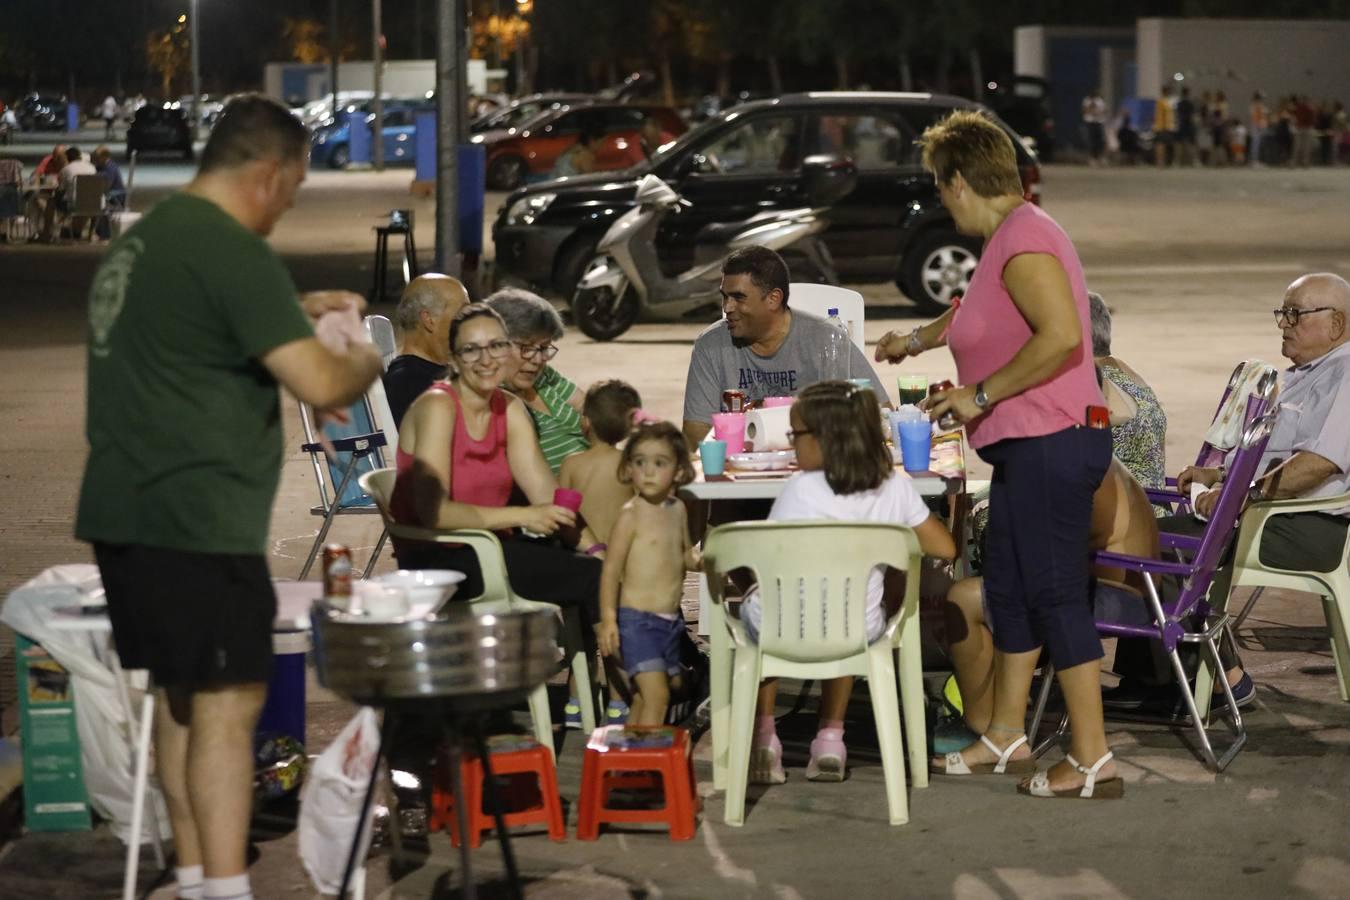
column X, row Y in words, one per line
column 531, row 151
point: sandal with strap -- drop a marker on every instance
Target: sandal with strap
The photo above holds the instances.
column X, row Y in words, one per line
column 1092, row 789
column 955, row 764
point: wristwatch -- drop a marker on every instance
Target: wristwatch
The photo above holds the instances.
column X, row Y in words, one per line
column 1256, row 494
column 981, row 398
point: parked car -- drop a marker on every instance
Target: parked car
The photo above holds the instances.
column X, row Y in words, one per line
column 331, row 144
column 533, row 149
column 517, row 113
column 42, row 112
column 892, row 227
column 207, row 111
column 159, row 127
column 1023, row 101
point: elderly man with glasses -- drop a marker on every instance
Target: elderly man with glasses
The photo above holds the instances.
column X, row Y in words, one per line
column 554, row 402
column 1308, row 456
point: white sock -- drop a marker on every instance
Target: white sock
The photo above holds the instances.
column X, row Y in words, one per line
column 189, row 882
column 235, row 887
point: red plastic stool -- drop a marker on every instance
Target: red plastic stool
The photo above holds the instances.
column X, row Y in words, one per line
column 511, row 755
column 614, row 754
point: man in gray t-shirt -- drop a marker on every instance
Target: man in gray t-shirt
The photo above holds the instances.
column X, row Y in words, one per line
column 761, row 346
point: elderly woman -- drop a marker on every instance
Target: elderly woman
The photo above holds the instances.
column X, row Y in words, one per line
column 1140, row 442
column 553, row 402
column 464, row 446
column 1032, row 409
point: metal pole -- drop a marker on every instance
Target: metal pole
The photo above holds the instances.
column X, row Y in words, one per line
column 196, row 71
column 451, row 23
column 377, row 56
column 333, row 54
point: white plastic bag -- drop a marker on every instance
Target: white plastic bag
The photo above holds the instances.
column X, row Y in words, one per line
column 330, row 803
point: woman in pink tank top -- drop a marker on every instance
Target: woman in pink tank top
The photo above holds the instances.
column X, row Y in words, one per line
column 465, row 447
column 1021, row 341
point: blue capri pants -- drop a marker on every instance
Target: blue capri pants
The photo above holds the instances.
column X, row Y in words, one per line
column 1036, row 567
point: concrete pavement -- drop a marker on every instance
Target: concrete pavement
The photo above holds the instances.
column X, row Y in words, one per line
column 1191, row 262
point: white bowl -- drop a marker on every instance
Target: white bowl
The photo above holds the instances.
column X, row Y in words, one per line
column 427, row 590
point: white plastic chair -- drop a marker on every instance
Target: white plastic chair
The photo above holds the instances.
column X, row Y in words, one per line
column 812, row 580
column 818, row 299
column 497, row 589
column 1333, row 587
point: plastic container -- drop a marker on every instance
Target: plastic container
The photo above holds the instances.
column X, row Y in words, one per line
column 836, row 355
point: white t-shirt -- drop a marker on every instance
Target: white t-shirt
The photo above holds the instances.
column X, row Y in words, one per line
column 807, row 495
column 73, row 170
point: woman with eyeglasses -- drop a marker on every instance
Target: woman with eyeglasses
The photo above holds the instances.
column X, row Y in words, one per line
column 465, row 445
column 553, row 401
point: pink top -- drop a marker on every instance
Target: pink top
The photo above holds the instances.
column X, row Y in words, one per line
column 988, row 331
column 480, row 473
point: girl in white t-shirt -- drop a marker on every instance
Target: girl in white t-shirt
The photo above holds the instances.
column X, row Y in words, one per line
column 846, row 475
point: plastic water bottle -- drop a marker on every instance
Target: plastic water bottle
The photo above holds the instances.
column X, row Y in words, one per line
column 836, row 355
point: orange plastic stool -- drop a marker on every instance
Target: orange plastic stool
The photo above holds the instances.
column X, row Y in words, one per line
column 614, row 754
column 511, row 755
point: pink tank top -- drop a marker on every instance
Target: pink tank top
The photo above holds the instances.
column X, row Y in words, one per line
column 988, row 330
column 480, row 473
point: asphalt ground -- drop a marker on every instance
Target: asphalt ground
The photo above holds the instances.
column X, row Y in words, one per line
column 1191, row 262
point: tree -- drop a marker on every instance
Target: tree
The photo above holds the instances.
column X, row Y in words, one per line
column 168, row 53
column 306, row 39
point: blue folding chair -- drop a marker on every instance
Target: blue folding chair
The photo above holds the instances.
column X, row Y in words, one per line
column 360, row 447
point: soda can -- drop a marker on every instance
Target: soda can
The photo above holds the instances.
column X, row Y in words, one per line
column 337, row 571
column 733, row 401
column 948, row 421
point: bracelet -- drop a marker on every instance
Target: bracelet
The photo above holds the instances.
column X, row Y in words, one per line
column 914, row 346
column 596, row 548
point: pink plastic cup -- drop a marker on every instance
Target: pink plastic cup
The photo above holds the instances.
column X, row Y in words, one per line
column 567, row 498
column 730, row 427
column 771, row 402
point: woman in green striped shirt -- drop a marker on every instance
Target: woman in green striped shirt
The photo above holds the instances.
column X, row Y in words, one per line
column 553, row 401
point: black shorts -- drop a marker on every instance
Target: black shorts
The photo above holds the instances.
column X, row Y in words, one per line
column 195, row 620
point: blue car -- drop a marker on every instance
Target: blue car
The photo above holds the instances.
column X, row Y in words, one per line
column 331, row 144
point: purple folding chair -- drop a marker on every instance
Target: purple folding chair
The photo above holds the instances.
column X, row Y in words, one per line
column 1209, row 455
column 1185, row 619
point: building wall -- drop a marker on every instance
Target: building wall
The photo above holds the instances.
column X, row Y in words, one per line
column 1239, row 56
column 1070, row 58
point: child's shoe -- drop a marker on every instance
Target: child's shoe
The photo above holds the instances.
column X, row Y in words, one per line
column 828, row 756
column 766, row 759
column 616, row 713
column 572, row 713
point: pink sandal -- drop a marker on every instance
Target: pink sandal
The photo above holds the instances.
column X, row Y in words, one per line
column 766, row 760
column 828, row 756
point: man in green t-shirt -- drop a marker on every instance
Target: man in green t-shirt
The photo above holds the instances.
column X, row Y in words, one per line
column 193, row 323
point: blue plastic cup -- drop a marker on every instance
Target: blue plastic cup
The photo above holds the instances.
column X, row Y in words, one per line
column 714, row 456
column 916, row 444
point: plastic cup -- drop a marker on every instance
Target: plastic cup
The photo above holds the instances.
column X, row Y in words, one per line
column 916, row 444
column 568, row 498
column 912, row 388
column 771, row 402
column 730, row 427
column 714, row 456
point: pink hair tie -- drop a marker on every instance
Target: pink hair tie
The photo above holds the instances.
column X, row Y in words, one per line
column 641, row 417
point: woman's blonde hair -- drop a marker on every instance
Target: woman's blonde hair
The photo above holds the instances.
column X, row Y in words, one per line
column 969, row 142
column 846, row 422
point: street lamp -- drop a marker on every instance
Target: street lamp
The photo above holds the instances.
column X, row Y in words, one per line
column 196, row 72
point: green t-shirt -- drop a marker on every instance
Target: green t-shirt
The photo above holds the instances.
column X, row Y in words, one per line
column 560, row 428
column 184, row 422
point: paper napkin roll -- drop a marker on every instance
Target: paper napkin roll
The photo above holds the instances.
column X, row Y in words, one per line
column 766, row 429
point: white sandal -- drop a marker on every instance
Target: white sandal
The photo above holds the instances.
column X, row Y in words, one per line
column 1092, row 789
column 955, row 764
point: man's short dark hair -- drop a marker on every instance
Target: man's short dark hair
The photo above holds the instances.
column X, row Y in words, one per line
column 253, row 127
column 72, row 154
column 765, row 268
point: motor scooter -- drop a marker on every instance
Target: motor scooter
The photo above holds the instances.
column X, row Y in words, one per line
column 625, row 280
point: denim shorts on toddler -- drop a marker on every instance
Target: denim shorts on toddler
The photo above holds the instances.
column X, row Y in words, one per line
column 649, row 642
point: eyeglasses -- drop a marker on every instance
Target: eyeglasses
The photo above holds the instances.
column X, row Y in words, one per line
column 1291, row 314
column 793, row 434
column 472, row 353
column 540, row 351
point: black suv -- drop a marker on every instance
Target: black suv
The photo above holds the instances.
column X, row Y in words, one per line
column 41, row 112
column 749, row 159
column 159, row 126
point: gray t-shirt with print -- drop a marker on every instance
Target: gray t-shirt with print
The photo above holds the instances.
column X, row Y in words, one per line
column 717, row 364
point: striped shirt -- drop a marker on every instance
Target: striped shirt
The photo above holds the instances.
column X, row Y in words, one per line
column 560, row 428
